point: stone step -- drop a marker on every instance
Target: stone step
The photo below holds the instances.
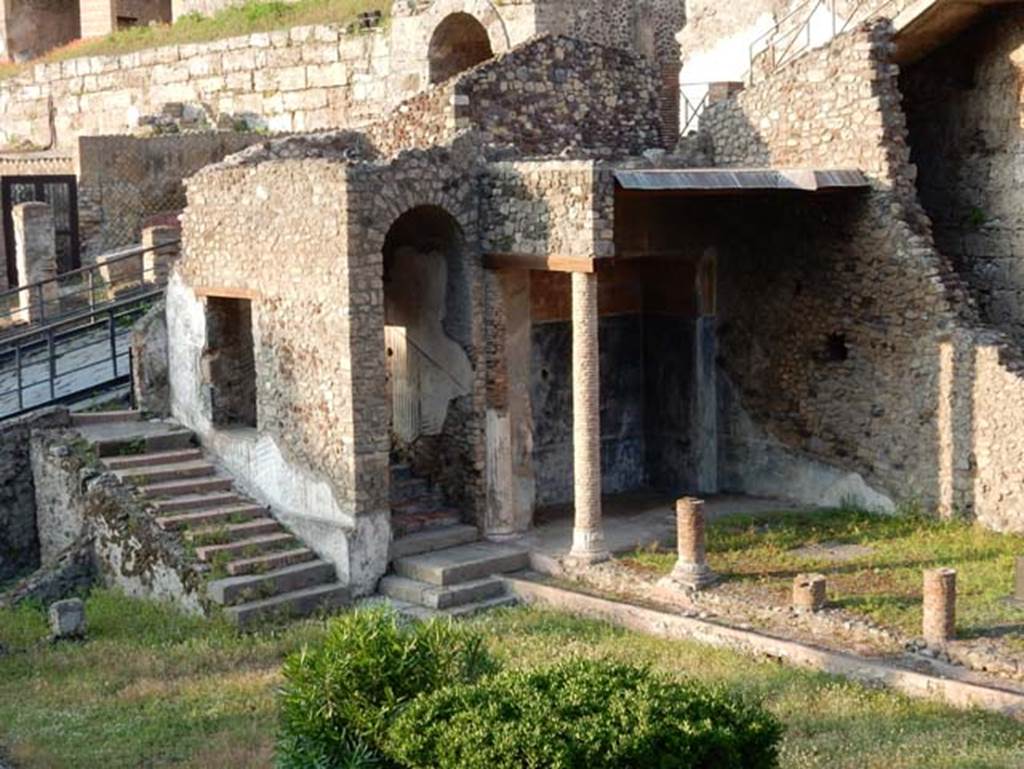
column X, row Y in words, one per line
column 425, row 614
column 463, row 563
column 247, row 548
column 254, row 587
column 104, row 417
column 411, row 490
column 298, row 603
column 233, row 532
column 407, row 523
column 213, row 517
column 429, row 540
column 187, row 486
column 169, row 441
column 438, row 597
column 187, row 503
column 160, row 473
column 154, row 459
column 261, row 564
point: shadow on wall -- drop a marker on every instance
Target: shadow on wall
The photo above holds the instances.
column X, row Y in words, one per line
column 963, row 106
column 428, row 330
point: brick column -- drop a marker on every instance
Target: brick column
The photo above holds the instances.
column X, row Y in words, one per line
column 35, row 249
column 588, row 533
column 939, row 609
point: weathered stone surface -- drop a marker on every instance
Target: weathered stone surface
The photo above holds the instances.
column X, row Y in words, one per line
column 19, row 538
column 72, row 572
column 867, row 352
column 67, row 619
column 244, row 78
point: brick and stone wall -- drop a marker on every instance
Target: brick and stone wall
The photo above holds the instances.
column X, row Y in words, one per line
column 19, row 535
column 307, row 78
column 548, row 207
column 964, row 112
column 30, row 28
column 855, row 344
column 320, row 456
column 548, row 95
column 124, row 181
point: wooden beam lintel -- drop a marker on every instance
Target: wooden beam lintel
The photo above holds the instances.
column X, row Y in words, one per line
column 548, row 263
column 225, row 292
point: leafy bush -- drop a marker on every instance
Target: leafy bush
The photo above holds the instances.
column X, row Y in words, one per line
column 339, row 698
column 582, row 715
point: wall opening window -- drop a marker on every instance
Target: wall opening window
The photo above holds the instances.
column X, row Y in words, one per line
column 231, row 361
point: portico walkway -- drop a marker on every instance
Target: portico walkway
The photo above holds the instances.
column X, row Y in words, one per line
column 632, row 520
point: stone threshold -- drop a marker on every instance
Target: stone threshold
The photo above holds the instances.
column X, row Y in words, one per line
column 953, row 687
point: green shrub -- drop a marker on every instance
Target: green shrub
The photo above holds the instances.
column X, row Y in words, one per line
column 339, row 697
column 582, row 715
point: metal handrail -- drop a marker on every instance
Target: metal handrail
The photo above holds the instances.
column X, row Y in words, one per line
column 92, row 281
column 32, row 343
column 693, row 111
column 759, row 44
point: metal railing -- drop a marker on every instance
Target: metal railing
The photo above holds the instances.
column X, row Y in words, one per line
column 114, row 277
column 692, row 110
column 70, row 359
column 792, row 35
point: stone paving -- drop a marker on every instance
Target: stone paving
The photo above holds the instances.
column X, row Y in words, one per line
column 82, row 362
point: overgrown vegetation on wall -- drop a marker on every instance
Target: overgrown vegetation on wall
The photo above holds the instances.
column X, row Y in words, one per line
column 252, row 16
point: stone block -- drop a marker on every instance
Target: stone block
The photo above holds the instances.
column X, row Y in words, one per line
column 67, row 619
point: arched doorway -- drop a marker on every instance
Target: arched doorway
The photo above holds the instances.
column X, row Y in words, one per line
column 428, row 330
column 458, row 43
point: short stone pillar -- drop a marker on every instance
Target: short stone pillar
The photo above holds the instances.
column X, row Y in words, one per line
column 691, row 569
column 35, row 248
column 120, row 273
column 809, row 592
column 939, row 620
column 588, row 544
column 67, row 619
column 162, row 242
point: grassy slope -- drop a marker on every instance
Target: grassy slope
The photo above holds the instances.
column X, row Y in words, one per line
column 253, row 16
column 884, row 584
column 152, row 688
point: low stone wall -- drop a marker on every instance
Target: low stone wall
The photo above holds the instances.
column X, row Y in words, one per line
column 19, row 536
column 856, row 345
column 77, row 501
column 306, row 78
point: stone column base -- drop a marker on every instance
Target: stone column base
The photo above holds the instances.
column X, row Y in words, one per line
column 689, row 576
column 588, row 548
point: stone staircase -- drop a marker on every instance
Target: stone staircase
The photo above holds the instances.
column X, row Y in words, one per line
column 439, row 566
column 257, row 569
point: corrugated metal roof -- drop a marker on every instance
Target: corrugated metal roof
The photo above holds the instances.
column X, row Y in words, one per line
column 725, row 179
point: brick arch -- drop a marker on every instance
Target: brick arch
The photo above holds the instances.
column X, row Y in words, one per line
column 486, row 12
column 459, row 42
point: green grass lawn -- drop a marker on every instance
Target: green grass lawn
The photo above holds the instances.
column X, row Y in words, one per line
column 252, row 16
column 884, row 583
column 152, row 688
